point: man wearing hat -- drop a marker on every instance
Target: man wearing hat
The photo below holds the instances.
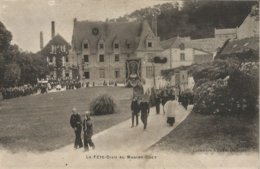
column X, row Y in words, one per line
column 144, row 107
column 135, row 110
column 88, row 131
column 75, row 122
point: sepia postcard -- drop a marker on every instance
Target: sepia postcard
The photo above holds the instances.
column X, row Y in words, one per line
column 141, row 84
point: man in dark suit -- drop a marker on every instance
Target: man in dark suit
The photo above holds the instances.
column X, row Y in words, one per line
column 135, row 110
column 145, row 109
column 75, row 122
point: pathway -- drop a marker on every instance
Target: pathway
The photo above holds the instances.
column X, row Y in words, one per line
column 119, row 140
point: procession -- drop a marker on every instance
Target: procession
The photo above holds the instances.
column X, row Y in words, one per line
column 140, row 107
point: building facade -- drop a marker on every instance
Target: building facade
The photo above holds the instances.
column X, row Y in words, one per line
column 56, row 52
column 183, row 51
column 102, row 49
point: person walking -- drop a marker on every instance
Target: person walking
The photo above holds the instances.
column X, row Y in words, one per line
column 171, row 108
column 157, row 103
column 135, row 111
column 75, row 122
column 144, row 107
column 88, row 132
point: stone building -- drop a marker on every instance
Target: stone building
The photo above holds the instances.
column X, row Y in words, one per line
column 56, row 52
column 114, row 51
column 184, row 51
column 248, row 28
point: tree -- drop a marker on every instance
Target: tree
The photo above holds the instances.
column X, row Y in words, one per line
column 12, row 75
column 5, row 38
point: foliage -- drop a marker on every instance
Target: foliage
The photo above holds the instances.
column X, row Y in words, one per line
column 12, row 74
column 227, row 88
column 18, row 67
column 5, row 37
column 197, row 19
column 158, row 59
column 103, row 105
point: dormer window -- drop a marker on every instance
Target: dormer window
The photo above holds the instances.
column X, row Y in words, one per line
column 101, row 46
column 85, row 45
column 182, row 46
column 116, row 45
column 150, row 44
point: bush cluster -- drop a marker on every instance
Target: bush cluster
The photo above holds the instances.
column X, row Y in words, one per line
column 235, row 95
column 103, row 105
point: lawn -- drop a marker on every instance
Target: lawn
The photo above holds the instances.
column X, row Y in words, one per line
column 200, row 133
column 41, row 123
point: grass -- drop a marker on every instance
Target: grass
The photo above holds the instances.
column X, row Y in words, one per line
column 200, row 133
column 41, row 123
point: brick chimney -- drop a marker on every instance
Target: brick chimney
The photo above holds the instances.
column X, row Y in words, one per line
column 52, row 29
column 41, row 40
column 154, row 24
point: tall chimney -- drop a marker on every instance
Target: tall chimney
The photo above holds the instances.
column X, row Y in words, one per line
column 41, row 40
column 52, row 29
column 154, row 24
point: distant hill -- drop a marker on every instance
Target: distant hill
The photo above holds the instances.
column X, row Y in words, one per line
column 195, row 18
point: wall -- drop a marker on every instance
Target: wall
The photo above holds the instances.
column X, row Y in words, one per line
column 249, row 28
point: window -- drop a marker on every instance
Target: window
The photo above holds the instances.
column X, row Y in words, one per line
column 149, row 71
column 86, row 58
column 101, row 46
column 182, row 46
column 101, row 58
column 117, row 73
column 150, row 44
column 102, row 73
column 116, row 45
column 85, row 46
column 51, row 59
column 182, row 57
column 86, row 75
column 67, row 59
column 128, row 46
column 67, row 74
column 116, row 57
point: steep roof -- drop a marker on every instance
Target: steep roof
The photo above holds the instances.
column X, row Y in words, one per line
column 166, row 44
column 173, row 42
column 208, row 44
column 240, row 46
column 226, row 31
column 147, row 33
column 56, row 40
column 124, row 32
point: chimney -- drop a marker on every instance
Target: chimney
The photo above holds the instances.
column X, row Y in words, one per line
column 41, row 40
column 52, row 29
column 154, row 24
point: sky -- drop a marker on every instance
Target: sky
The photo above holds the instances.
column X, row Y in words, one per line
column 26, row 18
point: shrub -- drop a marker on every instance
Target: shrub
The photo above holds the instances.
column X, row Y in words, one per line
column 103, row 105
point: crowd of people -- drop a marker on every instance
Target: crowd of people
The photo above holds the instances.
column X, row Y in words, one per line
column 157, row 97
column 19, row 91
column 69, row 84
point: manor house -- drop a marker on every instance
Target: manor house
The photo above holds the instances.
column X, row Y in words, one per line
column 114, row 51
